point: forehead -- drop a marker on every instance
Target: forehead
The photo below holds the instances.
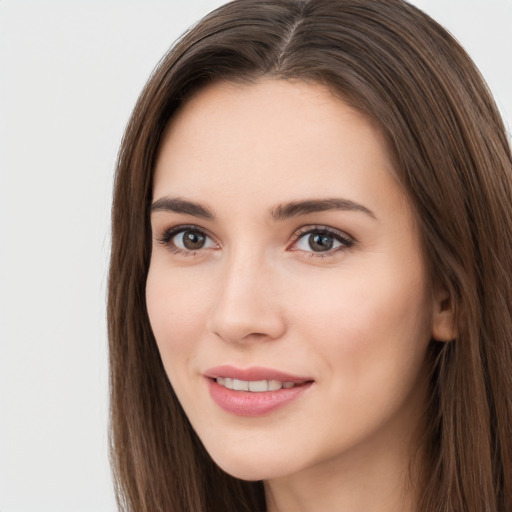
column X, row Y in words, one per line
column 273, row 140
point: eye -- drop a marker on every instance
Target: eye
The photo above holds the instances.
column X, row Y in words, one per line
column 321, row 241
column 186, row 239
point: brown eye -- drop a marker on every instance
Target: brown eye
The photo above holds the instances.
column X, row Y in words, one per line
column 320, row 242
column 193, row 240
column 187, row 240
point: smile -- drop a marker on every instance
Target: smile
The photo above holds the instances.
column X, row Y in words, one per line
column 255, row 386
column 254, row 391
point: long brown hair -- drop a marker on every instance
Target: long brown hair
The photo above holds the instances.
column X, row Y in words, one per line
column 400, row 68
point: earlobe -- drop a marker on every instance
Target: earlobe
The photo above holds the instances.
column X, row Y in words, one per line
column 443, row 321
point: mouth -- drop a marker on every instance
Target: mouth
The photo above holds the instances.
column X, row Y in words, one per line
column 255, row 386
column 254, row 391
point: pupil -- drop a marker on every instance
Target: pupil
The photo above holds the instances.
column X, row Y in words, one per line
column 193, row 240
column 320, row 242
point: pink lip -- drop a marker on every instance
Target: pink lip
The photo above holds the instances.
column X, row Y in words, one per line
column 253, row 373
column 247, row 403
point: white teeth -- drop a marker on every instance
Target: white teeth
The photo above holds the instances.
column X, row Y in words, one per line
column 240, row 385
column 256, row 386
column 274, row 385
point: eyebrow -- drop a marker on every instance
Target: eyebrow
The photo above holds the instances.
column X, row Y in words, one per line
column 178, row 205
column 296, row 208
column 278, row 213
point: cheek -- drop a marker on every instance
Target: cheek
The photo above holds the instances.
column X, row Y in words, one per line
column 177, row 311
column 369, row 339
column 369, row 323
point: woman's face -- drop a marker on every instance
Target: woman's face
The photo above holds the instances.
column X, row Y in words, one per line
column 286, row 261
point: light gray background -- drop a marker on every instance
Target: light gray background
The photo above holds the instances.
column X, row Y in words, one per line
column 70, row 73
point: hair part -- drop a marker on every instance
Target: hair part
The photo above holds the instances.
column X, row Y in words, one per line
column 402, row 70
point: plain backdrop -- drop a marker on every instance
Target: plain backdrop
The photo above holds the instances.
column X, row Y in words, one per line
column 70, row 73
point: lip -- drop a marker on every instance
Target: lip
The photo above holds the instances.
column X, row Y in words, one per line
column 253, row 373
column 247, row 403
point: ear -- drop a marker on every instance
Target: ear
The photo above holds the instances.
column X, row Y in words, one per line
column 443, row 320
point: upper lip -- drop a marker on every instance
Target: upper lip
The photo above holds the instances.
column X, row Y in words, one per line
column 253, row 373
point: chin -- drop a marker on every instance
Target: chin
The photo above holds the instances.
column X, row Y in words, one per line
column 247, row 467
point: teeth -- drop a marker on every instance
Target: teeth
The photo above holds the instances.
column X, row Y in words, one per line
column 256, row 386
column 240, row 385
column 274, row 385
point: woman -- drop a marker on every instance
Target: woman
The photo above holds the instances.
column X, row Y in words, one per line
column 309, row 303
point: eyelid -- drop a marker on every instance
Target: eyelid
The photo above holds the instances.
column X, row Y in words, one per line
column 346, row 240
column 166, row 235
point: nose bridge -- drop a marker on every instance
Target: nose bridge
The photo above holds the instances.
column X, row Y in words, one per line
column 247, row 305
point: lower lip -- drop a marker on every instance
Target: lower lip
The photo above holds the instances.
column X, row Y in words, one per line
column 248, row 403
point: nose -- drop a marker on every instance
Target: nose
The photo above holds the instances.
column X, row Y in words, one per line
column 248, row 306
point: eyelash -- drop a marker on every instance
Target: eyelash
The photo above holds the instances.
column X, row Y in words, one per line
column 346, row 242
column 166, row 239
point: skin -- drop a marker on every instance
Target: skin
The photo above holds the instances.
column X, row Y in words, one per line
column 357, row 319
